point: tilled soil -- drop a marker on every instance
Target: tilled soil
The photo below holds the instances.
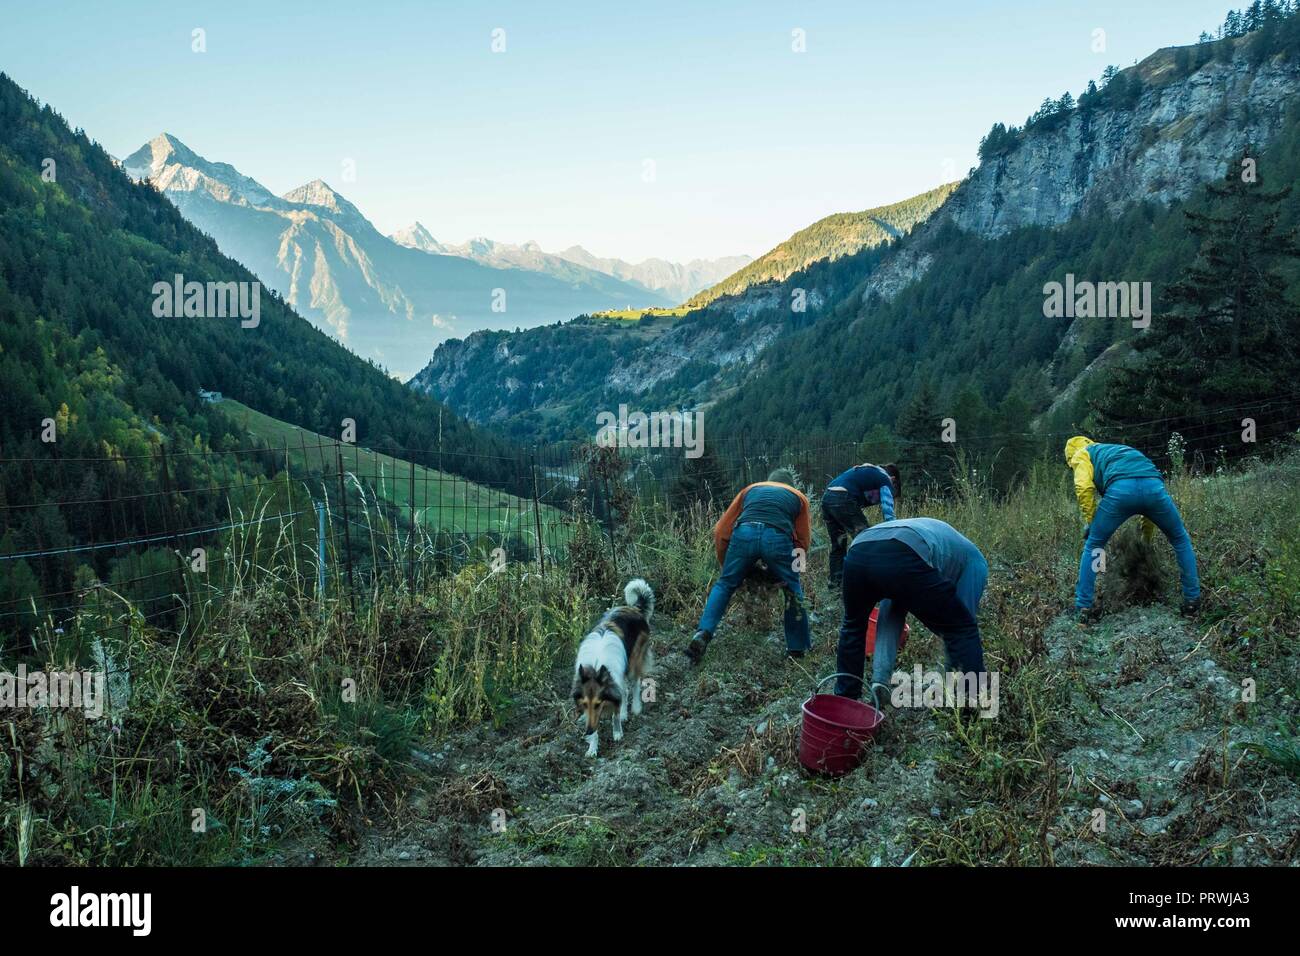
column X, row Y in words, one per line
column 709, row 773
column 1151, row 740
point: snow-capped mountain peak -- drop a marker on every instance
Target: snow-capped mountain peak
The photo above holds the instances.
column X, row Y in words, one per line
column 174, row 167
column 321, row 194
column 418, row 237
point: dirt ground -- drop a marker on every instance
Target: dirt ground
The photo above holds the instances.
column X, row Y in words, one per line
column 1139, row 768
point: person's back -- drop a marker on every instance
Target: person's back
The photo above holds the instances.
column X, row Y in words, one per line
column 861, row 480
column 942, row 547
column 936, row 537
column 1112, row 462
column 1113, row 483
column 773, row 505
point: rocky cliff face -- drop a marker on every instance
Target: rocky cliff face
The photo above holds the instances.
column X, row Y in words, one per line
column 490, row 376
column 759, row 318
column 1164, row 140
column 459, row 363
column 1170, row 142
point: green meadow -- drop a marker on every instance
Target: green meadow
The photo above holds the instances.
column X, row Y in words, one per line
column 441, row 501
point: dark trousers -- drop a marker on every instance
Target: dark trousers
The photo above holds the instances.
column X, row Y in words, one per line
column 844, row 521
column 880, row 570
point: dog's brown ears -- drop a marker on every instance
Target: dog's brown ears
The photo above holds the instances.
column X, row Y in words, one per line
column 584, row 672
column 602, row 673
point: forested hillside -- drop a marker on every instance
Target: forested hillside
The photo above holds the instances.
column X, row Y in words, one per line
column 81, row 248
column 948, row 320
column 548, row 383
column 954, row 325
column 842, row 234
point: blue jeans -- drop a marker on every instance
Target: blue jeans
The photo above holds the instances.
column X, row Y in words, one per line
column 1124, row 499
column 750, row 542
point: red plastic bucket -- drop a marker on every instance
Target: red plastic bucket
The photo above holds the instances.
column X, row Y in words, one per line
column 871, row 632
column 834, row 731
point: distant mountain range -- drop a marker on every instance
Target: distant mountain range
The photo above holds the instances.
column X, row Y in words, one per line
column 678, row 282
column 672, row 281
column 540, row 384
column 81, row 335
column 394, row 299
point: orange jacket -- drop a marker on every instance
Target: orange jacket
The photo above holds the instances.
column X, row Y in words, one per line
column 727, row 523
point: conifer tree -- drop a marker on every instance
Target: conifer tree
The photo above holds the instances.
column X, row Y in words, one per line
column 922, row 458
column 1228, row 335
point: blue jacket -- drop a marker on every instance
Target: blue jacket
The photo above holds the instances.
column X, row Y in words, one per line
column 868, row 484
column 1096, row 466
column 943, row 548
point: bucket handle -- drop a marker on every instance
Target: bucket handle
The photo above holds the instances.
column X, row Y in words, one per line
column 818, row 686
column 875, row 701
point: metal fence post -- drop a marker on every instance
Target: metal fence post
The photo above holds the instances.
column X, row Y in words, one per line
column 537, row 515
column 410, row 540
column 320, row 550
column 182, row 593
column 610, row 484
column 347, row 534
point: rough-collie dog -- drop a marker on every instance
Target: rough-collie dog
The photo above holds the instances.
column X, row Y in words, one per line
column 612, row 659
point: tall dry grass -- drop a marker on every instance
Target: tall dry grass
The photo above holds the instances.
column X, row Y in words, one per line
column 272, row 716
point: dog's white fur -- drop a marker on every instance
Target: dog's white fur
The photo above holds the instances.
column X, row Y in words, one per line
column 604, row 648
column 639, row 594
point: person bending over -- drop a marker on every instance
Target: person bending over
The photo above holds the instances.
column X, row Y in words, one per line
column 844, row 500
column 921, row 566
column 769, row 522
column 1112, row 484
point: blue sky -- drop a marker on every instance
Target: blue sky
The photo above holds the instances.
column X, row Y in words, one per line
column 550, row 139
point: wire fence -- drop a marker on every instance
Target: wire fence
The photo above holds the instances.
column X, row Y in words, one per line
column 162, row 537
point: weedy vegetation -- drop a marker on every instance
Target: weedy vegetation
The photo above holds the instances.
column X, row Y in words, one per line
column 279, row 728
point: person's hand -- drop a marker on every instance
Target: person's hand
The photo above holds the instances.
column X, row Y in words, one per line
column 1086, row 528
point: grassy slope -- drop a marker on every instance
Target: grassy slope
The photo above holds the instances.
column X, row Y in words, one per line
column 834, row 236
column 633, row 315
column 443, row 501
column 463, row 711
column 1138, row 716
column 830, row 238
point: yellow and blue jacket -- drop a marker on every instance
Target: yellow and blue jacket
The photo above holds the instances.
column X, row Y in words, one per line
column 1096, row 465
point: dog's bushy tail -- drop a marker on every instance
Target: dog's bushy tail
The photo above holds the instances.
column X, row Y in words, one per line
column 639, row 595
